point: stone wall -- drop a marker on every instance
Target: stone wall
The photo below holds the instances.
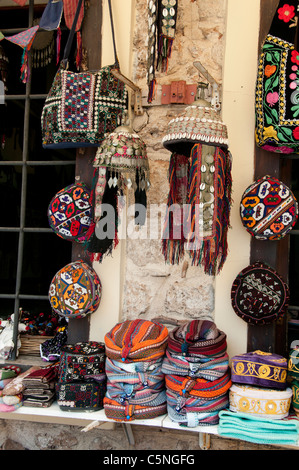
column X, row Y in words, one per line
column 153, row 289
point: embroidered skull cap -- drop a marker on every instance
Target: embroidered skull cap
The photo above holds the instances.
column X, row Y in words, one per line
column 268, row 209
column 75, row 290
column 259, row 295
column 69, row 212
column 263, row 402
column 260, row 368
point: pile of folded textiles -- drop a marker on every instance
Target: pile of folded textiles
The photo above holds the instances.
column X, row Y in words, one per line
column 7, row 374
column 81, row 383
column 12, row 393
column 135, row 381
column 259, row 400
column 39, row 387
column 197, row 374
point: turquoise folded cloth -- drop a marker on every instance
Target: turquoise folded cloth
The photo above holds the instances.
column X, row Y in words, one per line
column 259, row 430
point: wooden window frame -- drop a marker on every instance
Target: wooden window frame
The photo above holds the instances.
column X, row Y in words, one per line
column 272, row 337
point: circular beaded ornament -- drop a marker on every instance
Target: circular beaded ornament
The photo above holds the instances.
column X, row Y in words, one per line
column 268, row 209
column 69, row 212
column 259, row 295
column 75, row 290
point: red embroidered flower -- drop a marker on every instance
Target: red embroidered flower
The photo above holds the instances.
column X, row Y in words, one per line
column 296, row 133
column 295, row 57
column 286, row 13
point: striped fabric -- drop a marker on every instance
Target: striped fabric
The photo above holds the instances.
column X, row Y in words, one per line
column 200, row 388
column 193, row 412
column 117, row 412
column 136, row 340
column 201, row 366
column 198, row 337
column 138, row 383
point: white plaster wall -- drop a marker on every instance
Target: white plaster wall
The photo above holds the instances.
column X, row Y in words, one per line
column 239, row 75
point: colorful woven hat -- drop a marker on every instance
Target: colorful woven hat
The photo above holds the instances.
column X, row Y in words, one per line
column 197, row 124
column 259, row 295
column 268, row 209
column 257, row 401
column 293, row 364
column 260, row 368
column 75, row 290
column 295, row 397
column 136, row 340
column 192, row 412
column 197, row 338
column 80, row 396
column 205, row 367
column 129, row 412
column 124, row 152
column 198, row 388
column 81, row 361
column 69, row 212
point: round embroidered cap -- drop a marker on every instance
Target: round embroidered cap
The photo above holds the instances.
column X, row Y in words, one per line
column 268, row 209
column 256, row 401
column 259, row 295
column 136, row 340
column 75, row 290
column 295, row 398
column 69, row 212
column 197, row 124
column 260, row 368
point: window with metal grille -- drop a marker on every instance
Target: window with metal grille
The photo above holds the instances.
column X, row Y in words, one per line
column 30, row 253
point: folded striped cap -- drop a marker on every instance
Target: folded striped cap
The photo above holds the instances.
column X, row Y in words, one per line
column 136, row 340
column 198, row 337
column 200, row 388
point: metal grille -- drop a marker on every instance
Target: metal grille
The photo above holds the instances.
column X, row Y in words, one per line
column 24, row 165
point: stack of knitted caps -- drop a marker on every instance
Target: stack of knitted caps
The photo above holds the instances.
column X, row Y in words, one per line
column 197, row 374
column 293, row 377
column 260, row 385
column 135, row 381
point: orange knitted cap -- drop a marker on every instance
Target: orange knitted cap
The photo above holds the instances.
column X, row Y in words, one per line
column 136, row 340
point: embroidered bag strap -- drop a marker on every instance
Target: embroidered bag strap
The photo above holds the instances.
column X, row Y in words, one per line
column 68, row 45
column 284, row 23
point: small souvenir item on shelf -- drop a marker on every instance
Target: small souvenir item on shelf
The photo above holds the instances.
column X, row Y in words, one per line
column 80, row 396
column 261, row 369
column 81, row 361
column 39, row 386
column 82, row 106
column 257, row 401
column 259, row 295
column 69, row 212
column 135, row 381
column 276, row 103
column 268, row 209
column 51, row 348
column 75, row 290
column 200, row 180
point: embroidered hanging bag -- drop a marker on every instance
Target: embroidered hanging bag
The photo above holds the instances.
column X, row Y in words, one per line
column 277, row 91
column 82, row 106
